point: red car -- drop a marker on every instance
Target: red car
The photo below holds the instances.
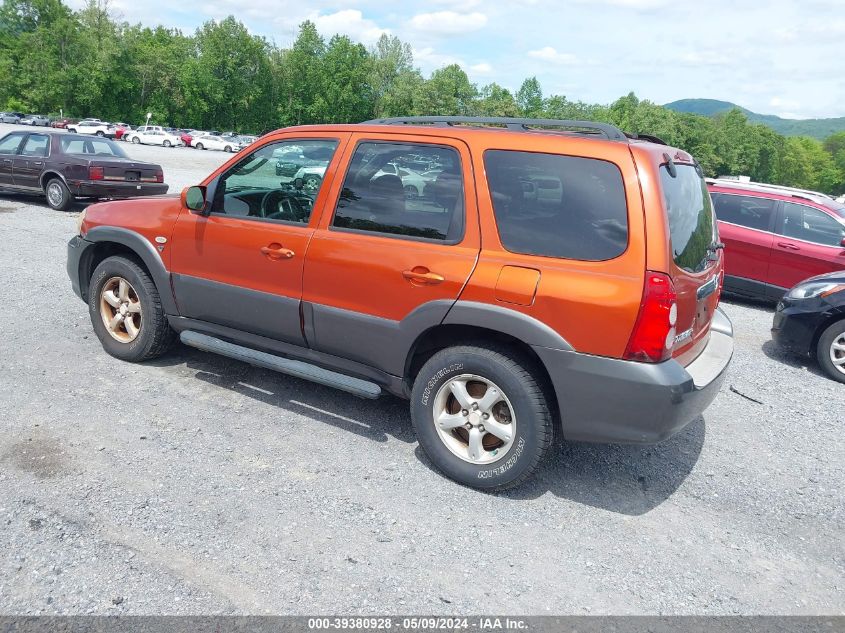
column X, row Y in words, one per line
column 63, row 123
column 776, row 237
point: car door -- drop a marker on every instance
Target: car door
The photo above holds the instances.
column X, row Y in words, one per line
column 745, row 227
column 29, row 163
column 241, row 265
column 380, row 259
column 808, row 243
column 9, row 146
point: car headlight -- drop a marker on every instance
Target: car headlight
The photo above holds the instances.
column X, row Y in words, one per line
column 814, row 289
column 79, row 222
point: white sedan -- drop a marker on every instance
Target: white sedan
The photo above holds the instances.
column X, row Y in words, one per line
column 155, row 137
column 223, row 143
column 91, row 126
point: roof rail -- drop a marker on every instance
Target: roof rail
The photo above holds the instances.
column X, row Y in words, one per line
column 762, row 186
column 610, row 132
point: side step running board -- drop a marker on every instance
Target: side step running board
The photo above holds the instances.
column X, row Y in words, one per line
column 356, row 386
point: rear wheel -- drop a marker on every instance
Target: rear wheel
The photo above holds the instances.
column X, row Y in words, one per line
column 311, row 183
column 228, row 149
column 59, row 196
column 166, row 143
column 126, row 311
column 135, row 140
column 199, row 146
column 830, row 351
column 100, row 133
column 411, row 191
column 481, row 416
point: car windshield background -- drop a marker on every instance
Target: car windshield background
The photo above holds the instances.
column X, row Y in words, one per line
column 811, row 225
column 748, row 211
column 558, row 206
column 254, row 189
column 91, row 147
column 692, row 229
column 403, row 190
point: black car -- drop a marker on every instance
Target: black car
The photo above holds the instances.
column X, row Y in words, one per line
column 810, row 321
column 68, row 166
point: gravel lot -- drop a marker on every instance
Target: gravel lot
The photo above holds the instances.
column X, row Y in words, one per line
column 196, row 484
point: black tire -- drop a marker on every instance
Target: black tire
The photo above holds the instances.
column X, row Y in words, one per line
column 58, row 195
column 166, row 143
column 517, row 378
column 155, row 335
column 824, row 349
column 199, row 146
column 100, row 133
column 228, row 149
column 411, row 192
column 136, row 140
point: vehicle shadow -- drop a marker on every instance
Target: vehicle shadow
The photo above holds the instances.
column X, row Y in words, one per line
column 625, row 479
column 374, row 420
column 776, row 353
column 8, row 199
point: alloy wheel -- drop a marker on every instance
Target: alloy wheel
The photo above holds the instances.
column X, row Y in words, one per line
column 55, row 195
column 474, row 419
column 120, row 309
column 837, row 353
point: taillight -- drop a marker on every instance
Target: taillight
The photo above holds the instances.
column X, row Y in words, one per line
column 95, row 173
column 159, row 176
column 654, row 333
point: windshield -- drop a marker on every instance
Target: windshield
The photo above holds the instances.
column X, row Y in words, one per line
column 691, row 226
column 91, row 146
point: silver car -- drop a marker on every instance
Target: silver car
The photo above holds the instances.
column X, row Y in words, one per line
column 9, row 117
column 35, row 119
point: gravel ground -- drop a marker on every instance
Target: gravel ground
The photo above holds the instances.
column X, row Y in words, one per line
column 195, row 484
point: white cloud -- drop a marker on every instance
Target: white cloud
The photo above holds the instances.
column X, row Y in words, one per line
column 705, row 58
column 349, row 22
column 481, row 69
column 448, row 22
column 429, row 59
column 549, row 54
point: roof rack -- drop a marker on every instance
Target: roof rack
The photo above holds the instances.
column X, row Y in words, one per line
column 762, row 186
column 610, row 132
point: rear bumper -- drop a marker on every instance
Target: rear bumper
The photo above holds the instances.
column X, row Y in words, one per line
column 116, row 189
column 618, row 401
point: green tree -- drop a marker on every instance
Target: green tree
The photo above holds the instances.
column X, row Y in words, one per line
column 497, row 101
column 448, row 92
column 529, row 97
column 391, row 62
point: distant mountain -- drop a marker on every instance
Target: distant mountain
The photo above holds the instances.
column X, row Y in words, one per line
column 817, row 128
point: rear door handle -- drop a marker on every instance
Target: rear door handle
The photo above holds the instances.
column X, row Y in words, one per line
column 789, row 246
column 420, row 275
column 277, row 251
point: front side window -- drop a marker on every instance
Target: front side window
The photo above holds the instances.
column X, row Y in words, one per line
column 254, row 188
column 384, row 193
column 558, row 206
column 811, row 225
column 36, row 145
column 747, row 211
column 692, row 229
column 89, row 146
column 10, row 143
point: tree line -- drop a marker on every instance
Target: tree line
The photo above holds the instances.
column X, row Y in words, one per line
column 87, row 63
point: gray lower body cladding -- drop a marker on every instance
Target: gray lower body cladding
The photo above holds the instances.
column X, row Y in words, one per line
column 618, row 401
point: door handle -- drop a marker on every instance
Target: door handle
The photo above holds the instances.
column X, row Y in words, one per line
column 38, row 164
column 423, row 276
column 789, row 246
column 276, row 251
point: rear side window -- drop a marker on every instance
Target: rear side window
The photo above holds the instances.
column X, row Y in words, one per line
column 690, row 213
column 409, row 190
column 558, row 206
column 36, row 145
column 811, row 225
column 747, row 211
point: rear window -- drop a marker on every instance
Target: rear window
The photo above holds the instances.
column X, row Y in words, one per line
column 691, row 225
column 558, row 206
column 90, row 146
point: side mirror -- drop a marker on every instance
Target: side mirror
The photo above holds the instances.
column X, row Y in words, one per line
column 193, row 198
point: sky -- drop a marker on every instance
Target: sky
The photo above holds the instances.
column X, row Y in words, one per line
column 777, row 57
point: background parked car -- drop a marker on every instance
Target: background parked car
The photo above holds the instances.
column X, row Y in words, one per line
column 141, row 129
column 155, row 137
column 91, row 126
column 225, row 144
column 66, row 166
column 775, row 236
column 62, row 123
column 9, row 117
column 810, row 321
column 188, row 136
column 35, row 119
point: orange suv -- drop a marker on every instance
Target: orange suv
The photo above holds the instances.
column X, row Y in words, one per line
column 510, row 277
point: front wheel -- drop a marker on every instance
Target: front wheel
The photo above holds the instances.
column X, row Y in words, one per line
column 126, row 311
column 830, row 351
column 59, row 196
column 311, row 183
column 166, row 143
column 481, row 416
column 199, row 146
column 135, row 140
column 100, row 133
